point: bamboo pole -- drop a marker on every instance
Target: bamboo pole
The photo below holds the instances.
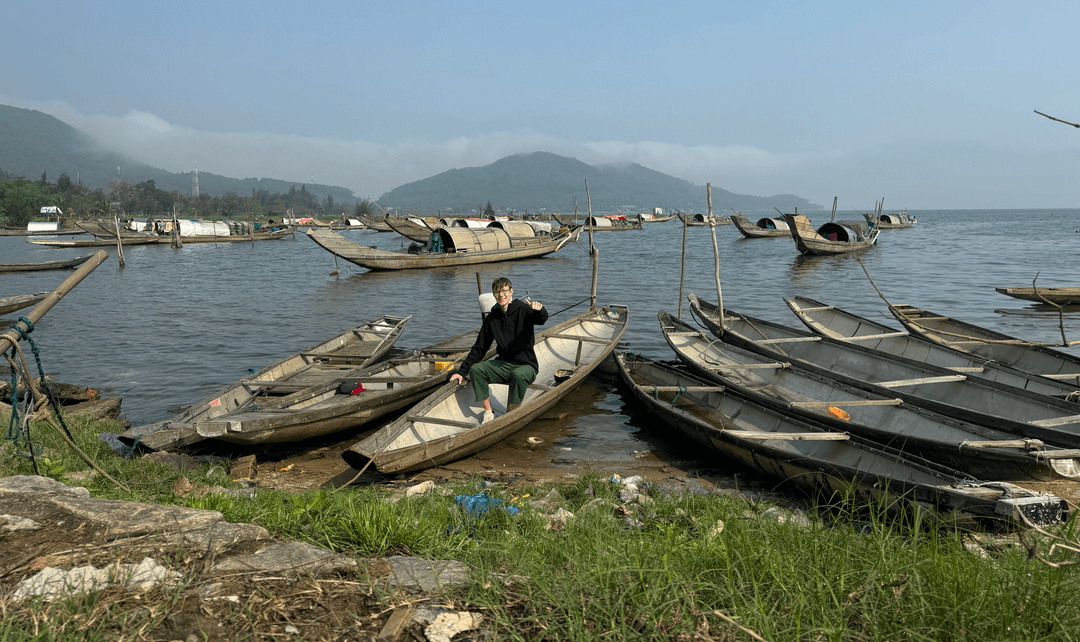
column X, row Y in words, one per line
column 592, row 251
column 119, row 243
column 716, row 256
column 682, row 273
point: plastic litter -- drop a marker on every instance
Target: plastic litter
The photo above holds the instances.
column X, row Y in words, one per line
column 480, row 503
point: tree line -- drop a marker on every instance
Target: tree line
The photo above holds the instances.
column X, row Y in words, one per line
column 21, row 201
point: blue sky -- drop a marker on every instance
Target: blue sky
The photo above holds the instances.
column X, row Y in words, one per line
column 925, row 104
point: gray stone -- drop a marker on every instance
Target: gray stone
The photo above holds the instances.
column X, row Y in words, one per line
column 429, row 575
column 281, row 557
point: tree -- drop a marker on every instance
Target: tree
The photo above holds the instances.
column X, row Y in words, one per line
column 364, row 208
column 489, row 210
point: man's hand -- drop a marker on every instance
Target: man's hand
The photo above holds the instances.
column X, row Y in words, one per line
column 536, row 305
column 457, row 377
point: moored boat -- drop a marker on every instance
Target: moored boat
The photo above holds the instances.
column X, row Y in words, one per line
column 829, row 321
column 20, row 301
column 501, row 241
column 1039, row 359
column 896, row 221
column 809, row 455
column 702, row 220
column 1058, row 296
column 977, row 401
column 61, row 264
column 834, row 237
column 328, row 361
column 764, row 227
column 786, row 388
column 447, row 426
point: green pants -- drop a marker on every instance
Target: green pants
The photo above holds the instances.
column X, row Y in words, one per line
column 518, row 377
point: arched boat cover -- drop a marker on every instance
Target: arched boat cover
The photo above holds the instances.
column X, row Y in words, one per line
column 773, row 224
column 846, row 231
column 516, row 229
column 461, row 239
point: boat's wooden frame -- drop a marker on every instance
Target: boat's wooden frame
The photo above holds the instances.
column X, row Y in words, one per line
column 814, row 242
column 1039, row 359
column 491, row 245
column 981, row 452
column 829, row 321
column 977, row 401
column 759, row 230
column 410, row 229
column 328, row 361
column 20, row 301
column 807, row 454
column 1045, row 296
column 447, row 425
column 61, row 264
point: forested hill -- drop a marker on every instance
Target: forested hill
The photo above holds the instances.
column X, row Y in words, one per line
column 33, row 143
column 544, row 181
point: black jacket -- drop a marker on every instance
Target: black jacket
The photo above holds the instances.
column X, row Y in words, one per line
column 512, row 333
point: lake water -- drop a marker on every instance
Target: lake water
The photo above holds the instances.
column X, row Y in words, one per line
column 175, row 325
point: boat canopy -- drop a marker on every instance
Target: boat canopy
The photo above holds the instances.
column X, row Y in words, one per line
column 895, row 219
column 516, row 229
column 773, row 224
column 846, row 231
column 460, row 239
column 471, row 223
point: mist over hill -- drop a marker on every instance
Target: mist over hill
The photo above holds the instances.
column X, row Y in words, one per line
column 33, row 142
column 542, row 181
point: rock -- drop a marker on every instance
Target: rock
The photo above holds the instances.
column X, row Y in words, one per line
column 244, row 468
column 428, row 575
column 283, row 557
column 53, row 583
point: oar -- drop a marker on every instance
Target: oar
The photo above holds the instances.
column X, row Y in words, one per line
column 11, row 337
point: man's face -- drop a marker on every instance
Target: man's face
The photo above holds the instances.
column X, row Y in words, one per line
column 504, row 296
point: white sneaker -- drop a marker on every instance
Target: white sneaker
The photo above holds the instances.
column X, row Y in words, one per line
column 488, row 416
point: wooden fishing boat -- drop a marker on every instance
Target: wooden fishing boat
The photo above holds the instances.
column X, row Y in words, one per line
column 702, row 220
column 828, row 321
column 107, row 229
column 97, row 242
column 896, row 221
column 61, row 264
column 446, row 426
column 326, row 362
column 66, row 231
column 1040, row 359
column 764, row 228
column 413, row 229
column 507, row 241
column 786, row 388
column 268, row 235
column 839, row 237
column 807, row 454
column 1059, row 296
column 377, row 223
column 324, row 408
column 977, row 401
column 613, row 223
column 650, row 217
column 18, row 302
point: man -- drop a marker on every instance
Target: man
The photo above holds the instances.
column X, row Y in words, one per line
column 510, row 325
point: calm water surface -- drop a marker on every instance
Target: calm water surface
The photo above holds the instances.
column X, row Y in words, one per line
column 176, row 325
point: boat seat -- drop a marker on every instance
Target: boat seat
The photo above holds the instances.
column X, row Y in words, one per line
column 915, row 382
column 884, row 335
column 795, row 436
column 848, row 404
column 788, row 340
column 420, row 419
column 577, row 337
column 751, row 366
column 1056, row 421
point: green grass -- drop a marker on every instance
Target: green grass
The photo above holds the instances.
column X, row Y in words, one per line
column 685, row 566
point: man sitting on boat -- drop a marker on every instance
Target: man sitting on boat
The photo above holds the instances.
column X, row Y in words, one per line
column 510, row 325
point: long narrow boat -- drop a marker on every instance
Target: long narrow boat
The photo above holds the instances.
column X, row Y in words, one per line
column 1059, row 296
column 900, row 220
column 764, row 228
column 61, row 264
column 828, row 321
column 20, row 301
column 106, row 229
column 809, row 455
column 612, row 223
column 989, row 344
column 982, row 452
column 839, row 237
column 447, row 425
column 701, row 220
column 96, row 242
column 649, row 217
column 328, row 361
column 978, row 401
column 324, row 408
column 507, row 241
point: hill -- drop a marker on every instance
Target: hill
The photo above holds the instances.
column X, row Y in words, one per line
column 542, row 181
column 32, row 142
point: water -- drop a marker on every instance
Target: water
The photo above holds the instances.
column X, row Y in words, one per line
column 174, row 325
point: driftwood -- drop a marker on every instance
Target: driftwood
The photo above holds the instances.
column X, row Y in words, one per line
column 1057, row 119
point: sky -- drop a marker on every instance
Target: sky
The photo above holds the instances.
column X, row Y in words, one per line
column 927, row 105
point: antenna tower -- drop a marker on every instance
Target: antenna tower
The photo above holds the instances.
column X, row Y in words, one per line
column 195, row 175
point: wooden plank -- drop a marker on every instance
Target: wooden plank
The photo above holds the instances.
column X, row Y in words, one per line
column 574, row 337
column 793, row 436
column 420, row 419
column 969, row 369
column 884, row 335
column 683, row 388
column 750, row 366
column 914, row 382
column 847, row 404
column 1056, row 421
column 788, row 340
